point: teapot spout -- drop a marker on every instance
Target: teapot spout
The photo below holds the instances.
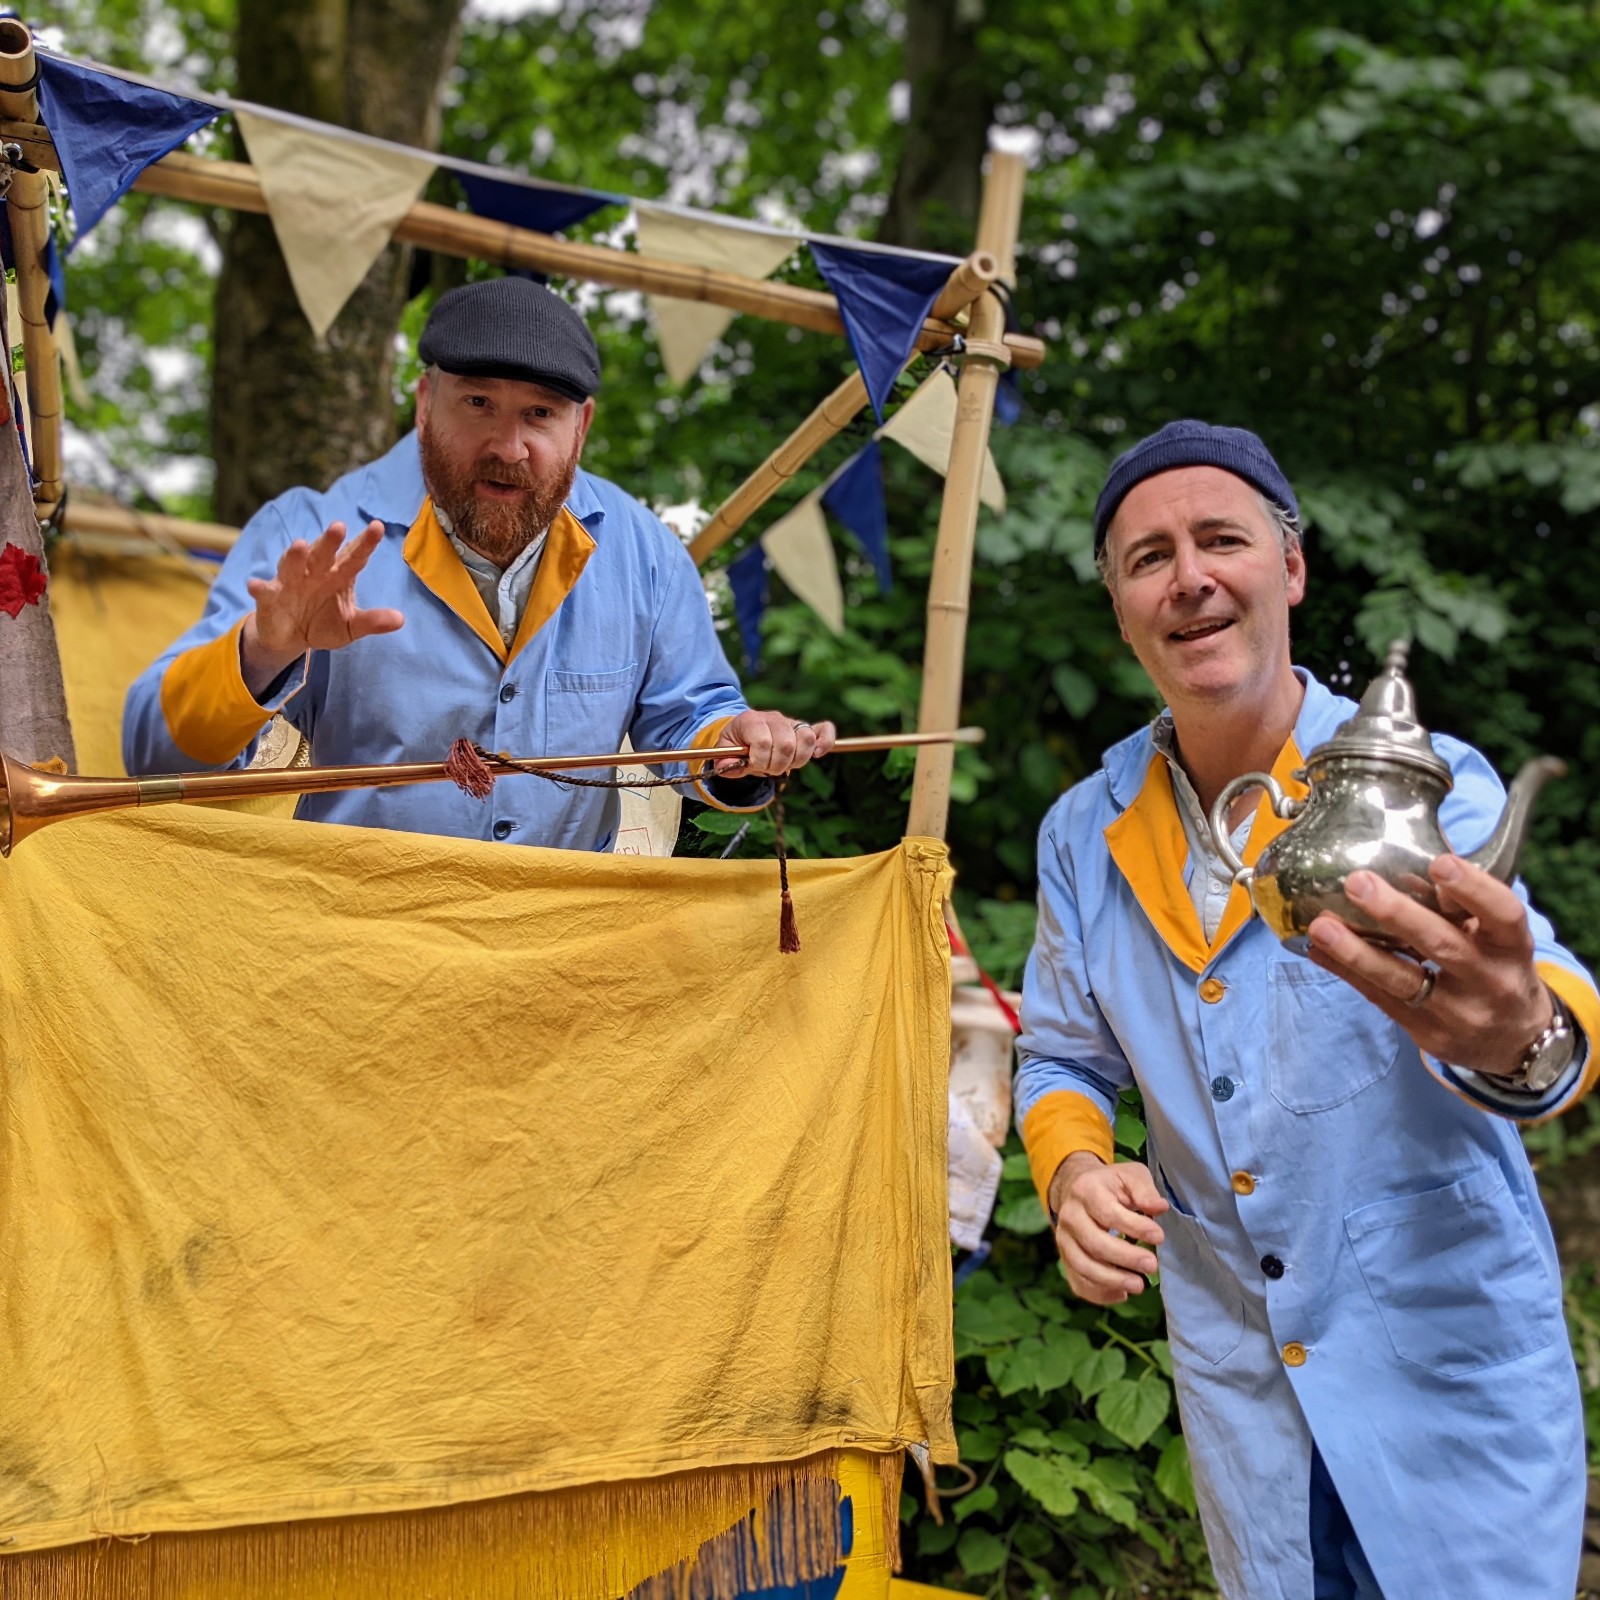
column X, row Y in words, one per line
column 1498, row 855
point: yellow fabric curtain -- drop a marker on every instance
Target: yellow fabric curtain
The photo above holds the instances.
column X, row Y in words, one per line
column 345, row 1172
column 114, row 615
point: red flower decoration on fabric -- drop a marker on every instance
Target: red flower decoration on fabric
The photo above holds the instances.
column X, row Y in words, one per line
column 22, row 580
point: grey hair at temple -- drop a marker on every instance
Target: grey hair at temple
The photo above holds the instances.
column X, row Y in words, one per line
column 1284, row 520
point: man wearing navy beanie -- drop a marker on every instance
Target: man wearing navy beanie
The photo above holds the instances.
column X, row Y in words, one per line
column 505, row 596
column 1362, row 1292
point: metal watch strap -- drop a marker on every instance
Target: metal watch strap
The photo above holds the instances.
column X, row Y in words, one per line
column 1539, row 1067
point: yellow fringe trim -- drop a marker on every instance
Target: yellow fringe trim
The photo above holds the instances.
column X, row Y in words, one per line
column 595, row 1542
column 891, row 1473
column 791, row 1540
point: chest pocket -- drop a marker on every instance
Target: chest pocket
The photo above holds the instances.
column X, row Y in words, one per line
column 586, row 711
column 1326, row 1042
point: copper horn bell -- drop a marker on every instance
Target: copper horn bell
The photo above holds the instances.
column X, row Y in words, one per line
column 30, row 799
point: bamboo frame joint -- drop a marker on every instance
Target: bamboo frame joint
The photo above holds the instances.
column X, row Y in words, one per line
column 986, row 350
column 12, row 162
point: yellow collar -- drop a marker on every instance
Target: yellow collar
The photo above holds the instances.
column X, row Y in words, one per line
column 429, row 554
column 1148, row 844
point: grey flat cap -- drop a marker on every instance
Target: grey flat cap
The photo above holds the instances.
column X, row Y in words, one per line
column 511, row 328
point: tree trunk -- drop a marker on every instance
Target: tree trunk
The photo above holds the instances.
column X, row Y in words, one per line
column 286, row 410
column 938, row 184
column 33, row 703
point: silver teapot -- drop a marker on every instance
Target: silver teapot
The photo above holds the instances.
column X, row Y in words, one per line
column 1376, row 788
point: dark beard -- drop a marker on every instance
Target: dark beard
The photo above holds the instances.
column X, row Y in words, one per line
column 499, row 532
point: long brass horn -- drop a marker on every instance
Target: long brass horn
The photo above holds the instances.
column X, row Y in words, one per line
column 30, row 799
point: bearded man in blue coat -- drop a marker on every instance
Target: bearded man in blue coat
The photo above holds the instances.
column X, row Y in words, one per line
column 1362, row 1291
column 506, row 597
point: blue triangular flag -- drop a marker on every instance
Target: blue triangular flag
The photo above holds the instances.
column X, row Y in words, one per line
column 107, row 131
column 748, row 578
column 18, row 411
column 1008, row 398
column 56, row 300
column 522, row 205
column 883, row 300
column 855, row 497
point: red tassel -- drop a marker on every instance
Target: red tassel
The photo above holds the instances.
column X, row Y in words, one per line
column 468, row 770
column 788, row 928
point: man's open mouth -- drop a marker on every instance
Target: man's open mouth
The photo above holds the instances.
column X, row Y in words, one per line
column 1199, row 630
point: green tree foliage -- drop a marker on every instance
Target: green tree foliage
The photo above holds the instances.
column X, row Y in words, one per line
column 1369, row 231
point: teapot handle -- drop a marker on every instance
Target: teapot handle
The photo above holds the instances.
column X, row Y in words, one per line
column 1283, row 805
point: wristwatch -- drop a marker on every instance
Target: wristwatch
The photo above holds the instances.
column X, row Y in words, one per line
column 1546, row 1058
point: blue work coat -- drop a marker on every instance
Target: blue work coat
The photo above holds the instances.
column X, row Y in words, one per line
column 617, row 639
column 1356, row 1253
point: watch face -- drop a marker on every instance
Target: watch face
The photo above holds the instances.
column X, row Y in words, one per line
column 1550, row 1056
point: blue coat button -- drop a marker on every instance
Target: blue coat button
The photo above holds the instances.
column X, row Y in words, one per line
column 508, row 692
column 1272, row 1266
column 1222, row 1088
column 502, row 829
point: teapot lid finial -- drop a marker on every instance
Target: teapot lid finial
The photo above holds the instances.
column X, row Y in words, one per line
column 1386, row 726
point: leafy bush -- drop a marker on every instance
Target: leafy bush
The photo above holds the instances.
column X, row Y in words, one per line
column 1067, row 1419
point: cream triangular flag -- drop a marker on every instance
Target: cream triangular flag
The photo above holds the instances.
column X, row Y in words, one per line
column 926, row 426
column 334, row 203
column 19, row 376
column 801, row 551
column 71, row 371
column 686, row 329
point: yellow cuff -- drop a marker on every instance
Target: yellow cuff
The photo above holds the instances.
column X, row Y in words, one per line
column 210, row 714
column 710, row 735
column 1579, row 997
column 1061, row 1124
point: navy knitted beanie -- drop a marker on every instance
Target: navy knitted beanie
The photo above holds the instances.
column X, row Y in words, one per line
column 512, row 328
column 1192, row 444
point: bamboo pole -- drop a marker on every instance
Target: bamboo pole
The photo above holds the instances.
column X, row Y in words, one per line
column 950, row 589
column 967, row 282
column 234, row 184
column 96, row 521
column 34, row 138
column 831, row 418
column 27, row 208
